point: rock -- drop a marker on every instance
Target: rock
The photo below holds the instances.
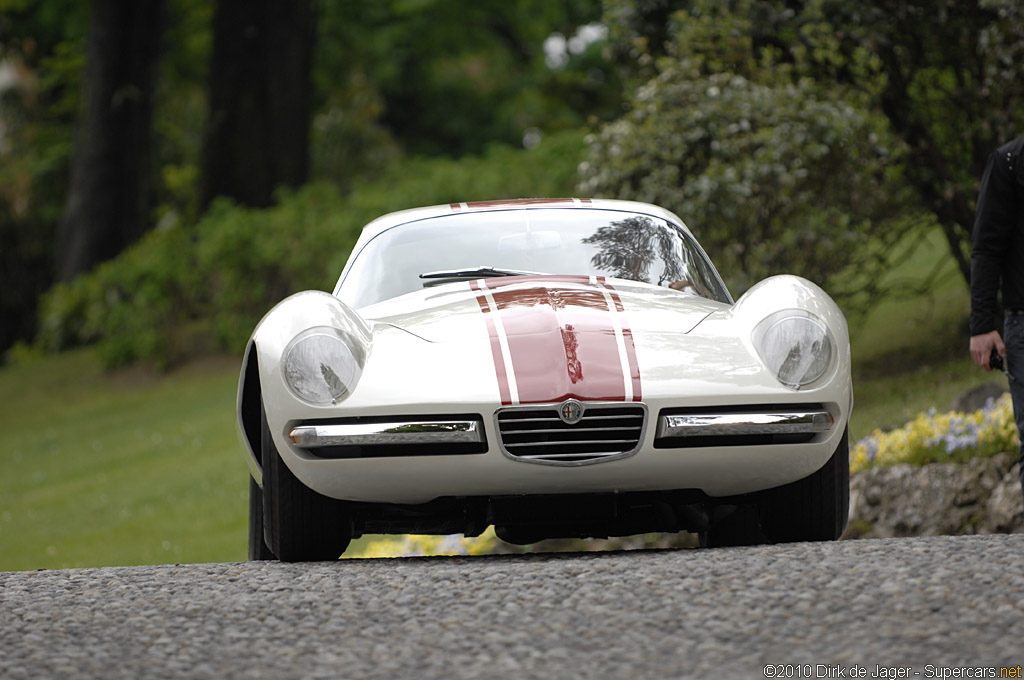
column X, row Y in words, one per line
column 1003, row 506
column 975, row 398
column 982, row 496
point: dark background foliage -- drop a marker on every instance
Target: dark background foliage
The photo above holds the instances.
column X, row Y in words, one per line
column 223, row 153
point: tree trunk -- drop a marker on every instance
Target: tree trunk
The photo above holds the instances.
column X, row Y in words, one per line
column 257, row 135
column 108, row 196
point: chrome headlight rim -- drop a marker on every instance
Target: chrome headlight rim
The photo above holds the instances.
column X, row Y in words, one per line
column 822, row 359
column 322, row 365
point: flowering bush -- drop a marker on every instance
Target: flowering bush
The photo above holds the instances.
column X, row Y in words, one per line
column 488, row 543
column 419, row 545
column 941, row 437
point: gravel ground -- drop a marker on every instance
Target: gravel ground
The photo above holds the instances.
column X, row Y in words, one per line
column 926, row 603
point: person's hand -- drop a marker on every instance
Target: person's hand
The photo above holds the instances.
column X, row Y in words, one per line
column 982, row 346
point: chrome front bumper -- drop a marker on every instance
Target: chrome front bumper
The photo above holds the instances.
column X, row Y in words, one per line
column 389, row 433
column 462, row 435
column 744, row 424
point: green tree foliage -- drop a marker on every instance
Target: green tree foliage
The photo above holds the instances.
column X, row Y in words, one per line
column 939, row 82
column 774, row 171
column 41, row 59
column 640, row 31
column 391, row 79
column 185, row 289
column 448, row 78
column 947, row 76
column 181, row 109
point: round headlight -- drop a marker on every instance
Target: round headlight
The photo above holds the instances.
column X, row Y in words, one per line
column 320, row 367
column 797, row 349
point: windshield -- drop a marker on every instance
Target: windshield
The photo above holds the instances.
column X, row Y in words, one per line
column 595, row 242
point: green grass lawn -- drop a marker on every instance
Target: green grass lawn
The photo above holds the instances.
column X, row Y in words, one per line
column 910, row 353
column 119, row 469
column 135, row 467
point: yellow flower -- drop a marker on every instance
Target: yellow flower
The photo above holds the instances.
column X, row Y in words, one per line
column 932, row 437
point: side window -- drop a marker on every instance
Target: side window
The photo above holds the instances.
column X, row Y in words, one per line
column 710, row 284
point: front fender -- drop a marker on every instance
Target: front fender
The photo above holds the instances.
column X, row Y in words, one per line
column 260, row 382
column 778, row 295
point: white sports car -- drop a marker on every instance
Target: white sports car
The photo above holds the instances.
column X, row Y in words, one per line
column 551, row 367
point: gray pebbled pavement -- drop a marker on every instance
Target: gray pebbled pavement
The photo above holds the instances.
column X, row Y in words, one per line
column 927, row 604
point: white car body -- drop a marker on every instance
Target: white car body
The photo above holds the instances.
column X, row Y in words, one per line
column 469, row 350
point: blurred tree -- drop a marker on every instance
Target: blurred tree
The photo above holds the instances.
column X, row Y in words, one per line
column 389, row 77
column 948, row 77
column 260, row 98
column 774, row 171
column 107, row 204
column 25, row 272
column 640, row 31
column 181, row 110
column 43, row 49
column 449, row 77
column 41, row 57
column 944, row 77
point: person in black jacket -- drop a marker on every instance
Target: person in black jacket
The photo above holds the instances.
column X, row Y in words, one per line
column 997, row 262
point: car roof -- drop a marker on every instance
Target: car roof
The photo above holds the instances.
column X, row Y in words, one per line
column 393, row 219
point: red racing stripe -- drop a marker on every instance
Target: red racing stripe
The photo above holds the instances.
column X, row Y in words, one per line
column 627, row 333
column 515, row 203
column 496, row 355
column 564, row 337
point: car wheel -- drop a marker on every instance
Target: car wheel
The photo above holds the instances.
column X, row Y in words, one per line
column 815, row 508
column 730, row 527
column 300, row 525
column 258, row 549
column 519, row 535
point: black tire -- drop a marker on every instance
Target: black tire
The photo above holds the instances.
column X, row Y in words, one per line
column 518, row 535
column 731, row 527
column 299, row 525
column 815, row 508
column 258, row 548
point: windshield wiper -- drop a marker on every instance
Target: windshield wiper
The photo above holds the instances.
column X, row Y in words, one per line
column 476, row 273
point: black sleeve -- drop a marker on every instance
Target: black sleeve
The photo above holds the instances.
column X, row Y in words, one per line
column 993, row 228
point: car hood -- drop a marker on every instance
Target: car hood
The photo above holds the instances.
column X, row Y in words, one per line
column 544, row 303
column 557, row 337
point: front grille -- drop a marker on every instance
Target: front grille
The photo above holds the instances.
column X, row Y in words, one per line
column 536, row 433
